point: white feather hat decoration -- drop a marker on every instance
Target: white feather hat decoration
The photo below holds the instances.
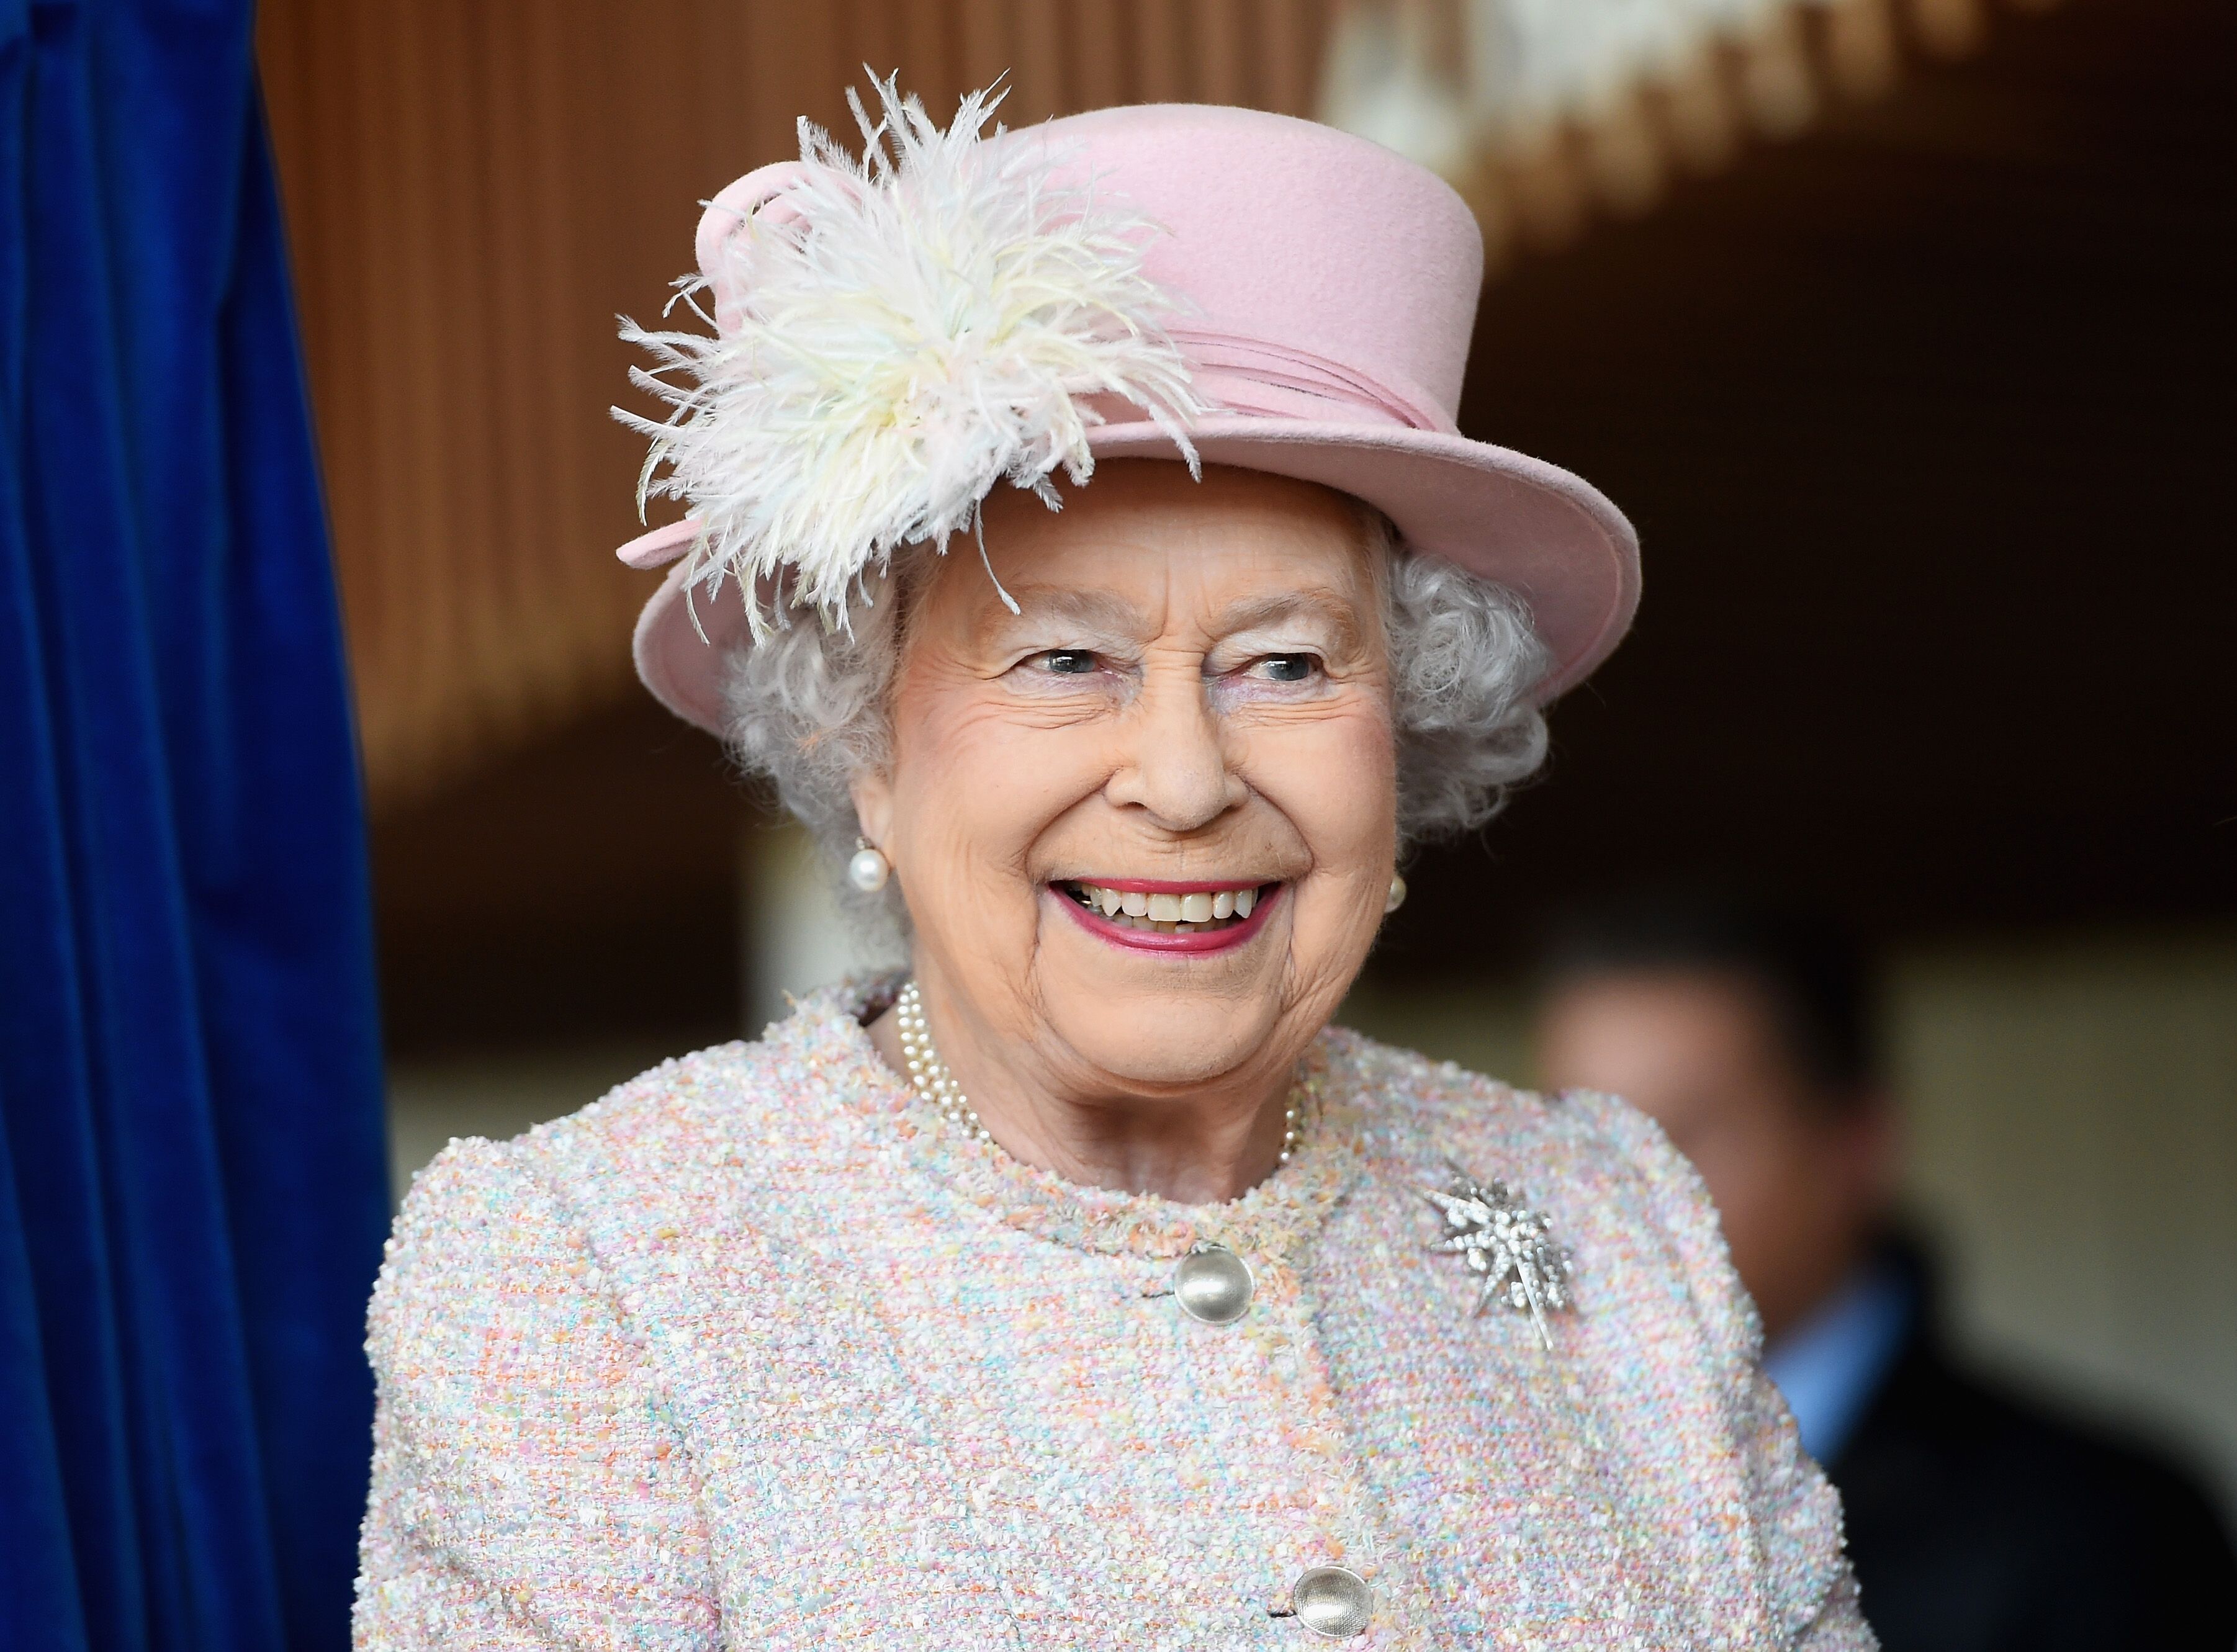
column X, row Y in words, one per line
column 893, row 337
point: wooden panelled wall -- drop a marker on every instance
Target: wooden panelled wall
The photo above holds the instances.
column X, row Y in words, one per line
column 475, row 189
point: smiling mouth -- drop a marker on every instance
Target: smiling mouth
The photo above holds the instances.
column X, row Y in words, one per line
column 1166, row 909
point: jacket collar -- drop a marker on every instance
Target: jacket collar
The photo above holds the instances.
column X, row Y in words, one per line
column 1277, row 1219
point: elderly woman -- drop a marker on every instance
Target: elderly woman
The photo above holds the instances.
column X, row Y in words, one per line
column 1085, row 1288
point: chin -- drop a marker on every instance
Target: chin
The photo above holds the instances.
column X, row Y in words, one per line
column 1164, row 1002
column 1162, row 1039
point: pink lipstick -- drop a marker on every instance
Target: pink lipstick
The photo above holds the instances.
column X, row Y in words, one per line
column 1139, row 932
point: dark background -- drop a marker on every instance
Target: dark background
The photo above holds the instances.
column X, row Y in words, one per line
column 1924, row 421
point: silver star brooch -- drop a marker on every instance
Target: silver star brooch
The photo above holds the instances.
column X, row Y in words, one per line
column 1507, row 1242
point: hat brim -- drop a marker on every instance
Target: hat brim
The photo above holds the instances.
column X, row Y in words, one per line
column 1551, row 537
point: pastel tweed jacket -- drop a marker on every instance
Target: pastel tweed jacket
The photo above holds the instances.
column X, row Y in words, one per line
column 761, row 1352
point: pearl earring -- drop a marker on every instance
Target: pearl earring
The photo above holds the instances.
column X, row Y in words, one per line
column 1396, row 897
column 869, row 868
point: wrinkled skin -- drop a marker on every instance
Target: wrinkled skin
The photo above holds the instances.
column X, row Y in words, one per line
column 1197, row 687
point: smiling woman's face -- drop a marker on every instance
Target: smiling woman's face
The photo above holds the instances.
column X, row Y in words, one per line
column 1145, row 827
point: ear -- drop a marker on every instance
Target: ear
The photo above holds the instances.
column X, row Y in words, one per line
column 873, row 807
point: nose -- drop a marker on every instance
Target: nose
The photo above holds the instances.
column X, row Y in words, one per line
column 1174, row 765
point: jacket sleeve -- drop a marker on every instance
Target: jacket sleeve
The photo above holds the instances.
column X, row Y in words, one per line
column 529, row 1489
column 1797, row 1520
column 1803, row 1572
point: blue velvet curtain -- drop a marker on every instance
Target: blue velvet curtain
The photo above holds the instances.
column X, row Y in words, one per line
column 192, row 1197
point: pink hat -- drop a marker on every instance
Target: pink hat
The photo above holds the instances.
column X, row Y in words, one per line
column 1325, row 293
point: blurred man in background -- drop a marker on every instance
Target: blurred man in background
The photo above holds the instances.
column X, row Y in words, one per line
column 1975, row 1520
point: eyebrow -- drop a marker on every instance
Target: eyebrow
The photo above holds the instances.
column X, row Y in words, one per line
column 1111, row 614
column 1271, row 610
column 1099, row 609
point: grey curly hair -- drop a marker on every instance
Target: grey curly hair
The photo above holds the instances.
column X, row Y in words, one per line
column 806, row 708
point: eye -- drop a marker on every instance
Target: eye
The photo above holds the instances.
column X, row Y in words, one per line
column 1070, row 662
column 1290, row 667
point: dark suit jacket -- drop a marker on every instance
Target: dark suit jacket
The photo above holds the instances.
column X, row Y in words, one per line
column 1979, row 1524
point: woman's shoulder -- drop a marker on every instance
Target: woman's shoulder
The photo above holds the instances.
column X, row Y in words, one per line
column 1407, row 1095
column 507, row 1233
column 647, row 1144
column 1604, row 1164
column 690, row 1110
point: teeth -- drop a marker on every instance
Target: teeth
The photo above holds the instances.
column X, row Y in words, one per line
column 1165, row 914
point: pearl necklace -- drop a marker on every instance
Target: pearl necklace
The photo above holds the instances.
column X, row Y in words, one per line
column 932, row 1079
column 925, row 1069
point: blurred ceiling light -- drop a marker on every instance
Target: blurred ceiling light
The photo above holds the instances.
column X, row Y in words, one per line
column 1543, row 111
column 1386, row 80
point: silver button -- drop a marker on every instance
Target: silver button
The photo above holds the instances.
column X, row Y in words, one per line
column 1333, row 1601
column 1213, row 1284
